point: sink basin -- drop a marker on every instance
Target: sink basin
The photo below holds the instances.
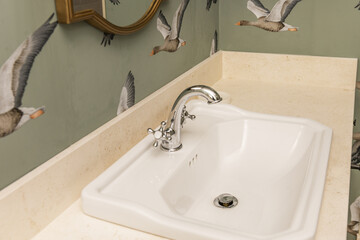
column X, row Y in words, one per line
column 275, row 166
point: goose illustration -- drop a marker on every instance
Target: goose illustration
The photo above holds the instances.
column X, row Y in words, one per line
column 115, row 2
column 355, row 153
column 214, row 44
column 208, row 4
column 107, row 38
column 358, row 6
column 353, row 226
column 127, row 96
column 171, row 33
column 14, row 74
column 274, row 20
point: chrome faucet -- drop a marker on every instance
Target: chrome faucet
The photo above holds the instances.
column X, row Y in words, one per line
column 169, row 131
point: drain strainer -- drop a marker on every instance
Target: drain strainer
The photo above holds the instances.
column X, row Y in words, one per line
column 225, row 200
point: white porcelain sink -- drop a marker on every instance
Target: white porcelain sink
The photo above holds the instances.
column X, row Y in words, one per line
column 275, row 166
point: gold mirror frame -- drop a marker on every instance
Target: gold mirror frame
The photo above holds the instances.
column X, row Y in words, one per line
column 66, row 14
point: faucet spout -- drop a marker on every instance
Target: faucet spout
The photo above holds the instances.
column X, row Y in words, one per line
column 178, row 114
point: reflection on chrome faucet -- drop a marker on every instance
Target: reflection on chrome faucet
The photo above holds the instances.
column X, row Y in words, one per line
column 169, row 131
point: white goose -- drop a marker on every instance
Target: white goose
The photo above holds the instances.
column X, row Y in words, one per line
column 214, row 44
column 127, row 96
column 172, row 40
column 14, row 74
column 273, row 21
column 353, row 226
column 208, row 4
column 115, row 2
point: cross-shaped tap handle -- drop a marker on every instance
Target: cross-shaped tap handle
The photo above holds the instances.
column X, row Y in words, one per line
column 184, row 115
column 159, row 134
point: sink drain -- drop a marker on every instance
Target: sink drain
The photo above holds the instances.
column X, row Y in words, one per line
column 225, row 200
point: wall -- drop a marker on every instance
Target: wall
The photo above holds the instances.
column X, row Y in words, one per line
column 326, row 28
column 79, row 81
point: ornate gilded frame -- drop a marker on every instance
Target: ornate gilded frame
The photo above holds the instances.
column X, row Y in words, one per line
column 66, row 14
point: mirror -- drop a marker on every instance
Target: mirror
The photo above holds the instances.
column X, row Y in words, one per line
column 126, row 17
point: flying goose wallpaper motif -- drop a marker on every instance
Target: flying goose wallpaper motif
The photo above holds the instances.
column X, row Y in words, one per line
column 127, row 95
column 355, row 155
column 358, row 6
column 107, row 38
column 208, row 4
column 14, row 75
column 214, row 44
column 274, row 20
column 171, row 34
column 353, row 226
column 115, row 2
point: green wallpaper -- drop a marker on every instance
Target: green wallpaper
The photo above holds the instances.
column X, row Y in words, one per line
column 326, row 28
column 79, row 81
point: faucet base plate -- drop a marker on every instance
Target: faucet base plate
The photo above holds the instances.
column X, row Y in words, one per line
column 170, row 149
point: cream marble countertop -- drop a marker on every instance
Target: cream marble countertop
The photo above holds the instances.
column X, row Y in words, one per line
column 73, row 224
column 318, row 88
column 318, row 103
